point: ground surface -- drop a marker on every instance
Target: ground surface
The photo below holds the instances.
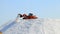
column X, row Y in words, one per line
column 37, row 26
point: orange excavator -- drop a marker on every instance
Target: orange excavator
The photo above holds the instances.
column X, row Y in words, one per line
column 30, row 16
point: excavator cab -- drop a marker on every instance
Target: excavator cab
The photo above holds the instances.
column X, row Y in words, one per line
column 30, row 16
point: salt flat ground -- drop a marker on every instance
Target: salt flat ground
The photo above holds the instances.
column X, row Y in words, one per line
column 37, row 26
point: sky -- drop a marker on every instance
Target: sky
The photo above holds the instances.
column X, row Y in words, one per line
column 42, row 8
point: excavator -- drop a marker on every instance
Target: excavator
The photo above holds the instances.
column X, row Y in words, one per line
column 29, row 16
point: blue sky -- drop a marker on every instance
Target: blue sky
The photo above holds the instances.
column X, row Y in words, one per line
column 42, row 8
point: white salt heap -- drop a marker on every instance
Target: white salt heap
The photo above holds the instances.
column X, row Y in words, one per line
column 32, row 26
